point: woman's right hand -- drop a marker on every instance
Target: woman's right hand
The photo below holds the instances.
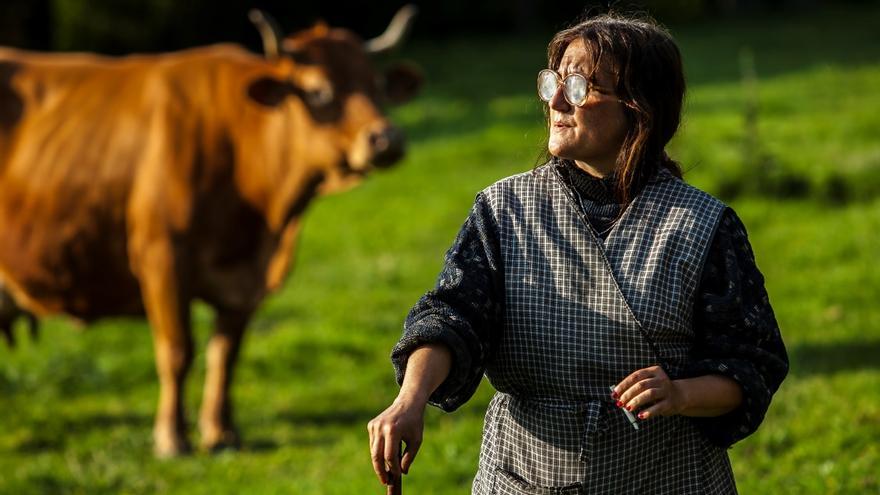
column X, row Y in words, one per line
column 403, row 421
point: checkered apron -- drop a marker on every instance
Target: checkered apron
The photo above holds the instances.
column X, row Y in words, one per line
column 580, row 316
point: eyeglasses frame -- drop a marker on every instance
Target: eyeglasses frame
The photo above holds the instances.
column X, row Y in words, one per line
column 560, row 81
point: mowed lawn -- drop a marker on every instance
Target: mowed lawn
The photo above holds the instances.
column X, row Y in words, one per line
column 76, row 407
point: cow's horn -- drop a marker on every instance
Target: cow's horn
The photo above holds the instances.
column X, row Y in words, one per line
column 268, row 31
column 395, row 33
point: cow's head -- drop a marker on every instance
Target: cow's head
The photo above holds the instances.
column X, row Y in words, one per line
column 325, row 78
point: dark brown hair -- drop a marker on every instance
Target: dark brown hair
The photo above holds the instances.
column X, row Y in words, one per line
column 649, row 81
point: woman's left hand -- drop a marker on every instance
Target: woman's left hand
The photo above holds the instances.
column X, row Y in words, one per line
column 651, row 391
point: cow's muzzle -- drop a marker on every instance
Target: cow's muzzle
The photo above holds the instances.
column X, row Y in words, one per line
column 387, row 145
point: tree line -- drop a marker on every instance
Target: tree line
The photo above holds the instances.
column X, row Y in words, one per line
column 124, row 26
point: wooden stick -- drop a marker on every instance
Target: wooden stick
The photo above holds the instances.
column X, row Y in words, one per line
column 395, row 485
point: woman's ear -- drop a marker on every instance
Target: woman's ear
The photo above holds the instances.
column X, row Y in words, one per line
column 269, row 91
column 402, row 82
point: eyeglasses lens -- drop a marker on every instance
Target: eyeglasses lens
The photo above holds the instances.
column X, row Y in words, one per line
column 547, row 84
column 575, row 88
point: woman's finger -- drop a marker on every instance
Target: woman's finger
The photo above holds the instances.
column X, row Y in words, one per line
column 640, row 387
column 633, row 378
column 648, row 397
column 412, row 448
column 659, row 409
column 377, row 452
column 392, row 453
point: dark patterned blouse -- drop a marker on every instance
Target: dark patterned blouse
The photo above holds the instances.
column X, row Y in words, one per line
column 737, row 333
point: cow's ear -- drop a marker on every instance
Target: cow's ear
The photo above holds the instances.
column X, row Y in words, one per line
column 402, row 82
column 269, row 91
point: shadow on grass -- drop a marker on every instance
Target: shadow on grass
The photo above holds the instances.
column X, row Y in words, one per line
column 811, row 359
column 40, row 443
column 262, row 444
column 54, row 433
column 341, row 417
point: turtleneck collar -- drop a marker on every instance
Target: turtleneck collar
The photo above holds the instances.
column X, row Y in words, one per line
column 597, row 189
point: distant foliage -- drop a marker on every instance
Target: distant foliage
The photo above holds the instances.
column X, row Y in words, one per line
column 123, row 26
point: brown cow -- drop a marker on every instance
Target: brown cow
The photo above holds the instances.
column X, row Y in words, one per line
column 134, row 185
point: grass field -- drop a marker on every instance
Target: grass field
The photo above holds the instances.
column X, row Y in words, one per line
column 76, row 407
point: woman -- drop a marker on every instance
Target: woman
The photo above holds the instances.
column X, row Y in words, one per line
column 617, row 311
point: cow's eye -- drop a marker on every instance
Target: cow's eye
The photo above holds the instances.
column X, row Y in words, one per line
column 319, row 97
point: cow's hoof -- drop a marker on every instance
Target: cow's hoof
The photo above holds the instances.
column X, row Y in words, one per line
column 221, row 440
column 171, row 446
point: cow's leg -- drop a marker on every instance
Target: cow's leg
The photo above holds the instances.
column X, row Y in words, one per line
column 169, row 315
column 215, row 420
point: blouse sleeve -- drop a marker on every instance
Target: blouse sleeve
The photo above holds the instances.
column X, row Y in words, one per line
column 463, row 311
column 737, row 333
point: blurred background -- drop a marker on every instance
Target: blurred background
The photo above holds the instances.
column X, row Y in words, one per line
column 782, row 122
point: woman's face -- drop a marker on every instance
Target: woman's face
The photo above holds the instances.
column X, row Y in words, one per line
column 592, row 133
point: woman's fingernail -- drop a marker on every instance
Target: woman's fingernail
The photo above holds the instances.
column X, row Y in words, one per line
column 629, row 408
column 641, row 415
column 614, row 395
column 619, row 404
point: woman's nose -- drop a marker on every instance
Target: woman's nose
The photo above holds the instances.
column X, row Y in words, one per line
column 558, row 102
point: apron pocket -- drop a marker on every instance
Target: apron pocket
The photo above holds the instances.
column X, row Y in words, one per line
column 507, row 483
column 539, row 443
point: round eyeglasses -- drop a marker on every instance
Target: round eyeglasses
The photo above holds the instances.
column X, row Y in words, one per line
column 575, row 87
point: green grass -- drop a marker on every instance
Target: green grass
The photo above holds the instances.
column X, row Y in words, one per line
column 76, row 408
